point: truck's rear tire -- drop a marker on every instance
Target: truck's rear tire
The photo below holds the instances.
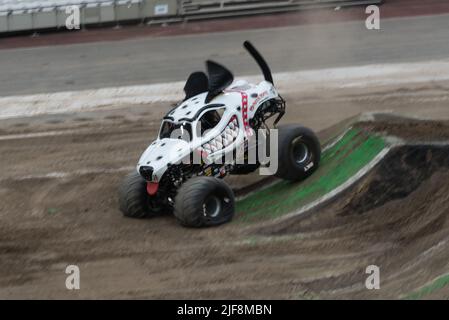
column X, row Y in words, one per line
column 134, row 200
column 299, row 152
column 204, row 202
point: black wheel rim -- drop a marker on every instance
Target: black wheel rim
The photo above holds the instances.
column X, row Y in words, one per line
column 300, row 151
column 212, row 206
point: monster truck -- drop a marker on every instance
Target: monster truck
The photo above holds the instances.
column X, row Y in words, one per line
column 218, row 117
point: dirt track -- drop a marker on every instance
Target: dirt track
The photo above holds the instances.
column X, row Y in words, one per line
column 59, row 207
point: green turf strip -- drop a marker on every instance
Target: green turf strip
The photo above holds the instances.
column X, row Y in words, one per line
column 435, row 285
column 338, row 163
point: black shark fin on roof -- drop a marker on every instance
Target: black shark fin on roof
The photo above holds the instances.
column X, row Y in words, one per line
column 219, row 79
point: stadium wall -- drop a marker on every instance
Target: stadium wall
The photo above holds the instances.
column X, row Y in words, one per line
column 21, row 16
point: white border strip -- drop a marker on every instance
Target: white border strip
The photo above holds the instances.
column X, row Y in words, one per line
column 336, row 140
column 68, row 174
column 31, row 135
column 286, row 82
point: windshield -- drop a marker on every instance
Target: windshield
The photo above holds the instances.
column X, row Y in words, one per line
column 209, row 120
column 176, row 130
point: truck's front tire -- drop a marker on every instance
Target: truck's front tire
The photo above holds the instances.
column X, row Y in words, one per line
column 134, row 200
column 204, row 202
column 299, row 152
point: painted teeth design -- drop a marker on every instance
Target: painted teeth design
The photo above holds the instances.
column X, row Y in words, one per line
column 226, row 137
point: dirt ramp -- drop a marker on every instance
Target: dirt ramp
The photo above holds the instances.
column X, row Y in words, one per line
column 402, row 171
column 395, row 217
column 410, row 183
column 409, row 129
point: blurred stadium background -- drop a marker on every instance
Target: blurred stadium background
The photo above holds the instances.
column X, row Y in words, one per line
column 33, row 15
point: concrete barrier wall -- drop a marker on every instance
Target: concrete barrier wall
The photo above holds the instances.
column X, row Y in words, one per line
column 36, row 16
column 204, row 6
column 33, row 16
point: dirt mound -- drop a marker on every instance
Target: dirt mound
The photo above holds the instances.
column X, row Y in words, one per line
column 396, row 217
column 403, row 171
column 410, row 129
column 406, row 172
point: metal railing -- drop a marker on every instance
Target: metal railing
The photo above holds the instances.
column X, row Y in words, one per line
column 17, row 15
column 37, row 15
column 215, row 8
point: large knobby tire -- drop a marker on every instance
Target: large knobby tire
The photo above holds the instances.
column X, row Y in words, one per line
column 204, row 202
column 299, row 152
column 133, row 197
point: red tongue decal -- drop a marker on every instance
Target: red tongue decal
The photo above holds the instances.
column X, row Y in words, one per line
column 152, row 188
